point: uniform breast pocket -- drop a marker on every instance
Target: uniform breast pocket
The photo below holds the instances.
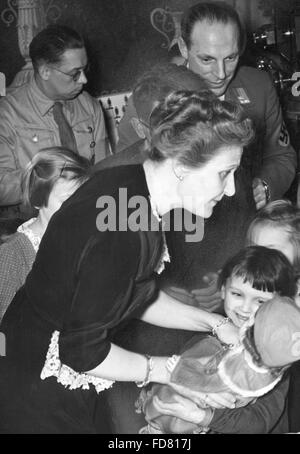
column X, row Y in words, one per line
column 32, row 140
column 84, row 135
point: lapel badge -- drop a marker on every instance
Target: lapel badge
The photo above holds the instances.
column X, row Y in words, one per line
column 35, row 138
column 242, row 96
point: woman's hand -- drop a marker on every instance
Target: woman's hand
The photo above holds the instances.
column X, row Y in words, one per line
column 259, row 193
column 204, row 400
column 182, row 408
column 227, row 333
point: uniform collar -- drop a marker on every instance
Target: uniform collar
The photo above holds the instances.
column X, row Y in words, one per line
column 43, row 103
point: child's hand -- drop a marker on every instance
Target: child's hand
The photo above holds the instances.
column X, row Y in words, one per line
column 182, row 408
column 209, row 298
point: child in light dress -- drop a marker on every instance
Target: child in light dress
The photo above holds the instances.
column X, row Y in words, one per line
column 254, row 286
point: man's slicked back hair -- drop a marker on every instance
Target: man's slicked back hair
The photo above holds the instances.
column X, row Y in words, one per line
column 212, row 12
column 51, row 43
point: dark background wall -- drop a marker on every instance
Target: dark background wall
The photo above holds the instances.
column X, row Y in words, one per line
column 120, row 39
column 10, row 58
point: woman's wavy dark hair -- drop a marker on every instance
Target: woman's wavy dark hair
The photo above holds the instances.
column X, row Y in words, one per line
column 192, row 126
column 265, row 269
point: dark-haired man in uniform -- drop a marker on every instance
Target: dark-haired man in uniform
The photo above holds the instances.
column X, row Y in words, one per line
column 51, row 109
column 213, row 39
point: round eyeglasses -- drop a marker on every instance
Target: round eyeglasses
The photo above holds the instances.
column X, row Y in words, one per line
column 74, row 75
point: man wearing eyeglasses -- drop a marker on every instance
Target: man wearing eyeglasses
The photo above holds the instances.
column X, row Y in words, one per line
column 50, row 110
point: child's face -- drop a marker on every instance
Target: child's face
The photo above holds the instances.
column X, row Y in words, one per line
column 241, row 300
column 274, row 238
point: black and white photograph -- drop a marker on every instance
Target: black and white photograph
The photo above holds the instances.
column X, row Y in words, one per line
column 150, row 219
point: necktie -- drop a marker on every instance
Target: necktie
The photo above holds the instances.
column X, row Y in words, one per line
column 66, row 133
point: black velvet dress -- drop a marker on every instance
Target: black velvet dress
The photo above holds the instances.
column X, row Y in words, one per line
column 84, row 286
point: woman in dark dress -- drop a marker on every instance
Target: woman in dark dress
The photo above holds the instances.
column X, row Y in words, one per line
column 96, row 269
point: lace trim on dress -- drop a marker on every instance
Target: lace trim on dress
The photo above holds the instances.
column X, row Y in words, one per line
column 33, row 238
column 165, row 256
column 67, row 376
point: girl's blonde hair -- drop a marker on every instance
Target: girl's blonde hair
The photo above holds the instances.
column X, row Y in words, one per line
column 282, row 214
column 46, row 167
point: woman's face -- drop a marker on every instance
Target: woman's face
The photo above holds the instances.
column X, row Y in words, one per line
column 202, row 188
column 274, row 238
column 61, row 191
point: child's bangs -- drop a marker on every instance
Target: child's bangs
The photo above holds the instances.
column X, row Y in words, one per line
column 257, row 278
